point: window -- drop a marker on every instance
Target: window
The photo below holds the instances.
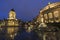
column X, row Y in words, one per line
column 56, row 13
column 50, row 15
column 46, row 18
column 56, row 16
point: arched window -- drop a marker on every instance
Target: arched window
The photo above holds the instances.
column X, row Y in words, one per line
column 56, row 16
column 50, row 17
column 46, row 18
column 56, row 13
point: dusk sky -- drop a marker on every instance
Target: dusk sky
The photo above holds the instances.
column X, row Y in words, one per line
column 25, row 9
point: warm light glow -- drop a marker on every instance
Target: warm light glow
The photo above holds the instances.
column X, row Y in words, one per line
column 42, row 20
column 12, row 36
column 12, row 15
column 45, row 18
column 30, row 28
column 56, row 16
column 56, row 13
column 50, row 15
column 10, row 30
column 12, row 21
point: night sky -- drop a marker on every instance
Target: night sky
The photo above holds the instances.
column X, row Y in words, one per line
column 25, row 9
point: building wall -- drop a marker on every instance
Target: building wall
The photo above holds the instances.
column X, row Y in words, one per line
column 52, row 14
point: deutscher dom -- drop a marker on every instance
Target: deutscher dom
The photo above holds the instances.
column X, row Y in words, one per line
column 46, row 26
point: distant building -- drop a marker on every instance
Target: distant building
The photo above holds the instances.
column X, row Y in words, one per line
column 12, row 21
column 11, row 25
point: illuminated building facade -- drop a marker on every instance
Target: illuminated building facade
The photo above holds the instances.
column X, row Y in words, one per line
column 51, row 17
column 11, row 25
column 50, row 13
column 12, row 21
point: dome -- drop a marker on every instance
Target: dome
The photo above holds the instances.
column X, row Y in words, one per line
column 12, row 10
column 12, row 14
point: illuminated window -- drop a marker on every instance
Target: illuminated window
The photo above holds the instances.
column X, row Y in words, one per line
column 50, row 17
column 11, row 23
column 56, row 13
column 56, row 16
column 46, row 18
column 41, row 18
column 12, row 15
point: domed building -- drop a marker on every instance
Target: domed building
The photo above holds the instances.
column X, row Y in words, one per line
column 12, row 21
column 10, row 26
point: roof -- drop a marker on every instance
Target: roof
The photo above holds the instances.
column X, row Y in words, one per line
column 12, row 10
column 50, row 6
